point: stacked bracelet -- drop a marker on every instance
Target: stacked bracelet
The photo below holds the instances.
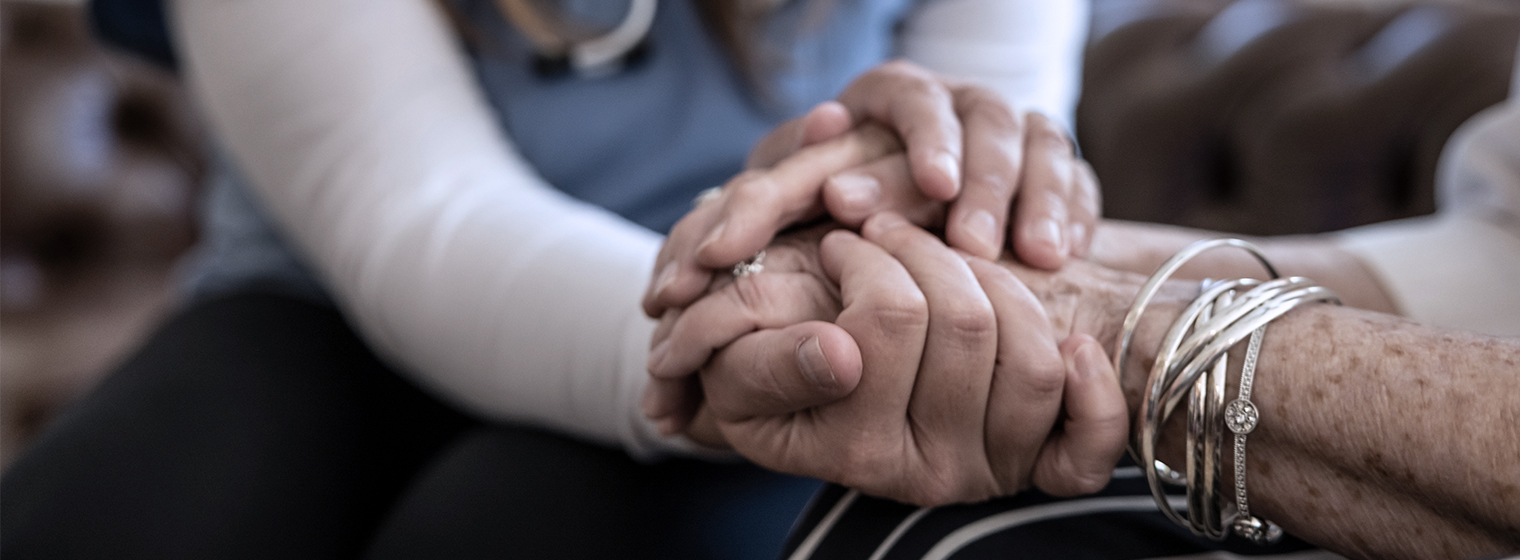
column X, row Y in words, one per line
column 1191, row 362
column 1204, row 439
column 1241, row 417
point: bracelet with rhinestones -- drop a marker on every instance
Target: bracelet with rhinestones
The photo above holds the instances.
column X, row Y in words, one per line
column 1191, row 362
column 1241, row 417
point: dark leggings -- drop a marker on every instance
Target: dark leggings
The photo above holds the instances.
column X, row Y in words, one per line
column 260, row 426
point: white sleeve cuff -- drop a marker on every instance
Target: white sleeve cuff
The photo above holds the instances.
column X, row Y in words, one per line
column 1455, row 271
column 1028, row 51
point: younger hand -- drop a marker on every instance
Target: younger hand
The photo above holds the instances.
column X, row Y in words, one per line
column 1013, row 163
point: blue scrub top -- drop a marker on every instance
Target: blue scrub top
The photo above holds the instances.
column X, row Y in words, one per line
column 643, row 141
column 640, row 142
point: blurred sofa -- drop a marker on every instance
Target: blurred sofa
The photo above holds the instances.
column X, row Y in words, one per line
column 1284, row 116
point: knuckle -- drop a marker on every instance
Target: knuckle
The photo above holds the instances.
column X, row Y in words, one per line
column 903, row 68
column 1043, row 132
column 914, row 93
column 748, row 294
column 890, row 74
column 971, row 320
column 1000, row 186
column 1046, row 379
column 980, row 104
column 751, row 187
column 900, row 311
column 1055, row 202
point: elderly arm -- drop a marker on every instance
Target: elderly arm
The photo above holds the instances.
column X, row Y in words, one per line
column 1141, row 248
column 1379, row 437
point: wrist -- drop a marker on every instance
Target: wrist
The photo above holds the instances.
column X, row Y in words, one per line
column 1094, row 300
column 1088, row 298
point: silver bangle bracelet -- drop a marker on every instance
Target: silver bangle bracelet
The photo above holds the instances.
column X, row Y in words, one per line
column 1163, row 371
column 1222, row 340
column 1192, row 361
column 1143, row 299
column 1241, row 417
column 1172, row 376
column 1204, row 439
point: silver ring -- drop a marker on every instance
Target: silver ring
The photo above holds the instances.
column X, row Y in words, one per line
column 752, row 265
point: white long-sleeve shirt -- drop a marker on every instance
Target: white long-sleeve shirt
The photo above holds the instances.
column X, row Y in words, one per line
column 1458, row 268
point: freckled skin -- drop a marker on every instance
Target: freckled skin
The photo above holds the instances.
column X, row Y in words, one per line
column 1414, row 426
column 1380, row 438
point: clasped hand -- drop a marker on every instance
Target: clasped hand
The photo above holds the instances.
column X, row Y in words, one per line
column 886, row 360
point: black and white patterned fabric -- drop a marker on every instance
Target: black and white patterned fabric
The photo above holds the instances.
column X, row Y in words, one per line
column 1119, row 523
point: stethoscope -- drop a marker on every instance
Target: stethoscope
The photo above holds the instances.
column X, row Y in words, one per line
column 597, row 57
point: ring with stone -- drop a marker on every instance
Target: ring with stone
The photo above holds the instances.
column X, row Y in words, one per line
column 751, row 265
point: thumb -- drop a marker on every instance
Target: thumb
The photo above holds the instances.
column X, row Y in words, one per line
column 780, row 371
column 1080, row 457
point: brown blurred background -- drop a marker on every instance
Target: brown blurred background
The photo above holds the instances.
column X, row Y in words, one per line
column 1257, row 116
column 100, row 163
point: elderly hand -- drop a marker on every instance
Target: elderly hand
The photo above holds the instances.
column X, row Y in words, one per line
column 953, row 387
column 1010, row 162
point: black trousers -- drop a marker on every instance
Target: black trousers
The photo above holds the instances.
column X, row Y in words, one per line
column 260, row 426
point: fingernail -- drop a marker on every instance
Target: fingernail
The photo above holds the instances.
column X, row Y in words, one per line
column 649, row 403
column 1048, row 232
column 813, row 363
column 951, row 167
column 981, row 225
column 856, row 190
column 667, row 277
column 657, row 356
column 717, row 233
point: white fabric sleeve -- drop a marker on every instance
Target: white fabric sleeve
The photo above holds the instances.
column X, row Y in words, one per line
column 368, row 140
column 1029, row 51
column 1458, row 269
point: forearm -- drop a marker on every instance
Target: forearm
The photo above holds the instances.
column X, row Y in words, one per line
column 366, row 137
column 1407, row 433
column 1379, row 437
column 1141, row 248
